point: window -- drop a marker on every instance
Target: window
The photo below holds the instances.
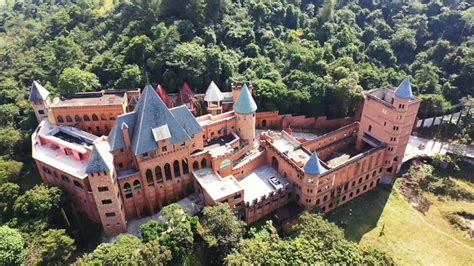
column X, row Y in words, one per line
column 185, row 167
column 158, row 174
column 41, row 112
column 385, row 123
column 95, row 117
column 195, row 165
column 103, row 117
column 351, row 194
column 65, row 178
column 370, row 128
column 203, row 163
column 317, row 202
column 365, row 187
column 107, row 201
column 68, row 119
column 46, row 170
column 77, row 118
column 164, row 149
column 168, row 172
column 128, row 190
column 77, row 184
column 343, row 198
column 103, row 189
column 86, row 118
column 237, row 196
column 137, row 186
column 360, row 180
column 367, row 177
column 120, row 165
column 325, row 198
column 60, row 119
column 149, row 177
column 176, row 169
column 110, row 214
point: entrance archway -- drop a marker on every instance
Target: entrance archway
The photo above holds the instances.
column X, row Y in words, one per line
column 275, row 163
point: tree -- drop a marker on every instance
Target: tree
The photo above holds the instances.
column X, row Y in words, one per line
column 8, row 194
column 153, row 253
column 138, row 50
column 427, row 78
column 220, row 229
column 12, row 247
column 55, row 247
column 125, row 249
column 9, row 114
column 178, row 236
column 37, row 202
column 130, row 78
column 11, row 140
column 151, row 230
column 9, row 169
column 74, row 80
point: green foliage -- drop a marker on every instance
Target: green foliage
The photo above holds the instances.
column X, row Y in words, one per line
column 125, row 249
column 37, row 202
column 220, row 229
column 12, row 247
column 53, row 247
column 74, row 80
column 153, row 253
column 151, row 230
column 9, row 170
column 8, row 194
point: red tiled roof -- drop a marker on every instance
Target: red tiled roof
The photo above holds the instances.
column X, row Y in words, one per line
column 160, row 90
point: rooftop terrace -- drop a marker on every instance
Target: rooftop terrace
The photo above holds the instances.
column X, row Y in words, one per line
column 216, row 186
column 103, row 98
column 256, row 184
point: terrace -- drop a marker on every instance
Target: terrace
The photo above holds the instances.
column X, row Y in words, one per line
column 256, row 183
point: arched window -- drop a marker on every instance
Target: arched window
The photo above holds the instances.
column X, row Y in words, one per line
column 159, row 175
column 103, row 117
column 185, row 167
column 95, row 118
column 128, row 190
column 137, row 186
column 111, row 117
column 77, row 184
column 69, row 119
column 203, row 163
column 60, row 119
column 86, row 118
column 65, row 178
column 149, row 177
column 176, row 170
column 77, row 118
column 168, row 172
column 195, row 165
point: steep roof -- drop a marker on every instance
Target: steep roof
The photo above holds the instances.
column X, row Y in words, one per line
column 245, row 103
column 38, row 93
column 151, row 112
column 313, row 166
column 213, row 94
column 133, row 101
column 186, row 119
column 186, row 95
column 404, row 90
column 115, row 138
column 163, row 95
column 101, row 159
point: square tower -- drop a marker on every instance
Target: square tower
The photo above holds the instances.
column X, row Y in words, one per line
column 388, row 116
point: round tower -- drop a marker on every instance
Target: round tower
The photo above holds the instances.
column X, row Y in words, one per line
column 245, row 109
column 312, row 170
column 213, row 98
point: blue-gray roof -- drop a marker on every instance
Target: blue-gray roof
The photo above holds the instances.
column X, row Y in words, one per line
column 245, row 103
column 38, row 93
column 313, row 166
column 151, row 112
column 404, row 90
column 186, row 119
column 115, row 138
column 97, row 162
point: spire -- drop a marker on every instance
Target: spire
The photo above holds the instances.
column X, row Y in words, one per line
column 404, row 90
column 313, row 166
column 245, row 103
column 163, row 95
column 213, row 94
column 38, row 93
column 186, row 94
column 97, row 162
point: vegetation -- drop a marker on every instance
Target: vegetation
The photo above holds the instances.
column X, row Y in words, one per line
column 303, row 57
column 386, row 220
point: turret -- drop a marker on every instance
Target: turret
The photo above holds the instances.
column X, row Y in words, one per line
column 39, row 99
column 213, row 98
column 245, row 109
column 101, row 174
column 312, row 170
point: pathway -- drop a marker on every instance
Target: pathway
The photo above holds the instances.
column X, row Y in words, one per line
column 433, row 147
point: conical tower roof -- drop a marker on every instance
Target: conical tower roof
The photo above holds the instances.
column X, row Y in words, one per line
column 313, row 166
column 38, row 92
column 245, row 103
column 404, row 90
column 213, row 94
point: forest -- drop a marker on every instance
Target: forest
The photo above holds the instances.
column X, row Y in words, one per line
column 310, row 57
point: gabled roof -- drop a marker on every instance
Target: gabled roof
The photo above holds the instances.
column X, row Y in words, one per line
column 313, row 166
column 133, row 101
column 116, row 135
column 101, row 159
column 151, row 112
column 185, row 95
column 38, row 93
column 186, row 119
column 213, row 94
column 245, row 103
column 404, row 90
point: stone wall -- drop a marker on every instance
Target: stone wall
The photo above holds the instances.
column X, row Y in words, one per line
column 273, row 119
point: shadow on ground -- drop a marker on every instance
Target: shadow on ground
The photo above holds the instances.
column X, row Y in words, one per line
column 362, row 214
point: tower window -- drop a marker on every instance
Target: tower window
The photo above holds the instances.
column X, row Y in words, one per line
column 103, row 189
column 107, row 201
column 370, row 128
column 110, row 214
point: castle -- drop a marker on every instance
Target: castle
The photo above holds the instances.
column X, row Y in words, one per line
column 123, row 155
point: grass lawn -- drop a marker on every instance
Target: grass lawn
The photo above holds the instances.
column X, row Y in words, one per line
column 409, row 237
